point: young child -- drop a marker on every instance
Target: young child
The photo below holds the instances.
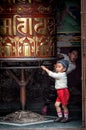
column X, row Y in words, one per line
column 61, row 87
column 71, row 57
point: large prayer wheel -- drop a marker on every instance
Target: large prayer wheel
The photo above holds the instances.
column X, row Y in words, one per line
column 27, row 28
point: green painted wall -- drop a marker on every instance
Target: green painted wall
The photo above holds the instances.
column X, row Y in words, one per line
column 68, row 24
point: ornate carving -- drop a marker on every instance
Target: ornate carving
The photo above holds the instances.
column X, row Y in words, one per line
column 27, row 30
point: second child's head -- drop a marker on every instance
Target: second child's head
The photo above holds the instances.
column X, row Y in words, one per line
column 61, row 65
column 73, row 54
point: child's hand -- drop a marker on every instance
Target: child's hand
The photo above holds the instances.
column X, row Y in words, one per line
column 43, row 67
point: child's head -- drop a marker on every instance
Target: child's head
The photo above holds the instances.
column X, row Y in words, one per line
column 61, row 65
column 73, row 54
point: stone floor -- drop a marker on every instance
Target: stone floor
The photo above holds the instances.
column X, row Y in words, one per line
column 75, row 118
column 75, row 123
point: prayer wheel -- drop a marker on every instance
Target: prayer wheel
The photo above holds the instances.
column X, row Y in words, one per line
column 27, row 35
column 27, row 28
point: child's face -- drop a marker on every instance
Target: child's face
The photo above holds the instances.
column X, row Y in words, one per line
column 59, row 67
column 73, row 56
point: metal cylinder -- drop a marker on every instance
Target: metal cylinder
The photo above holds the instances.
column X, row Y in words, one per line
column 27, row 28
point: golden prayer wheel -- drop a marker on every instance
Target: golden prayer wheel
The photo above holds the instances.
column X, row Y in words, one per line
column 27, row 28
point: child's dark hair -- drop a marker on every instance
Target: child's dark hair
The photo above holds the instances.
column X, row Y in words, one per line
column 74, row 49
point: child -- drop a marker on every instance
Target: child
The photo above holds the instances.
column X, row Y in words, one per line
column 71, row 57
column 61, row 87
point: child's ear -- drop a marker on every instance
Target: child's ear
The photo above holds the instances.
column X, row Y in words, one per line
column 64, row 69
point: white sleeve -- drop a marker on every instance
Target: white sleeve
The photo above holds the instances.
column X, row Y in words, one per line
column 55, row 75
column 64, row 55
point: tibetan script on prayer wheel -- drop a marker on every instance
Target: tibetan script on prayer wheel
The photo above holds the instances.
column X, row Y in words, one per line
column 27, row 28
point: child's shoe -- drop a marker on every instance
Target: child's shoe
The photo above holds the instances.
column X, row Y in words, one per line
column 58, row 119
column 64, row 120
